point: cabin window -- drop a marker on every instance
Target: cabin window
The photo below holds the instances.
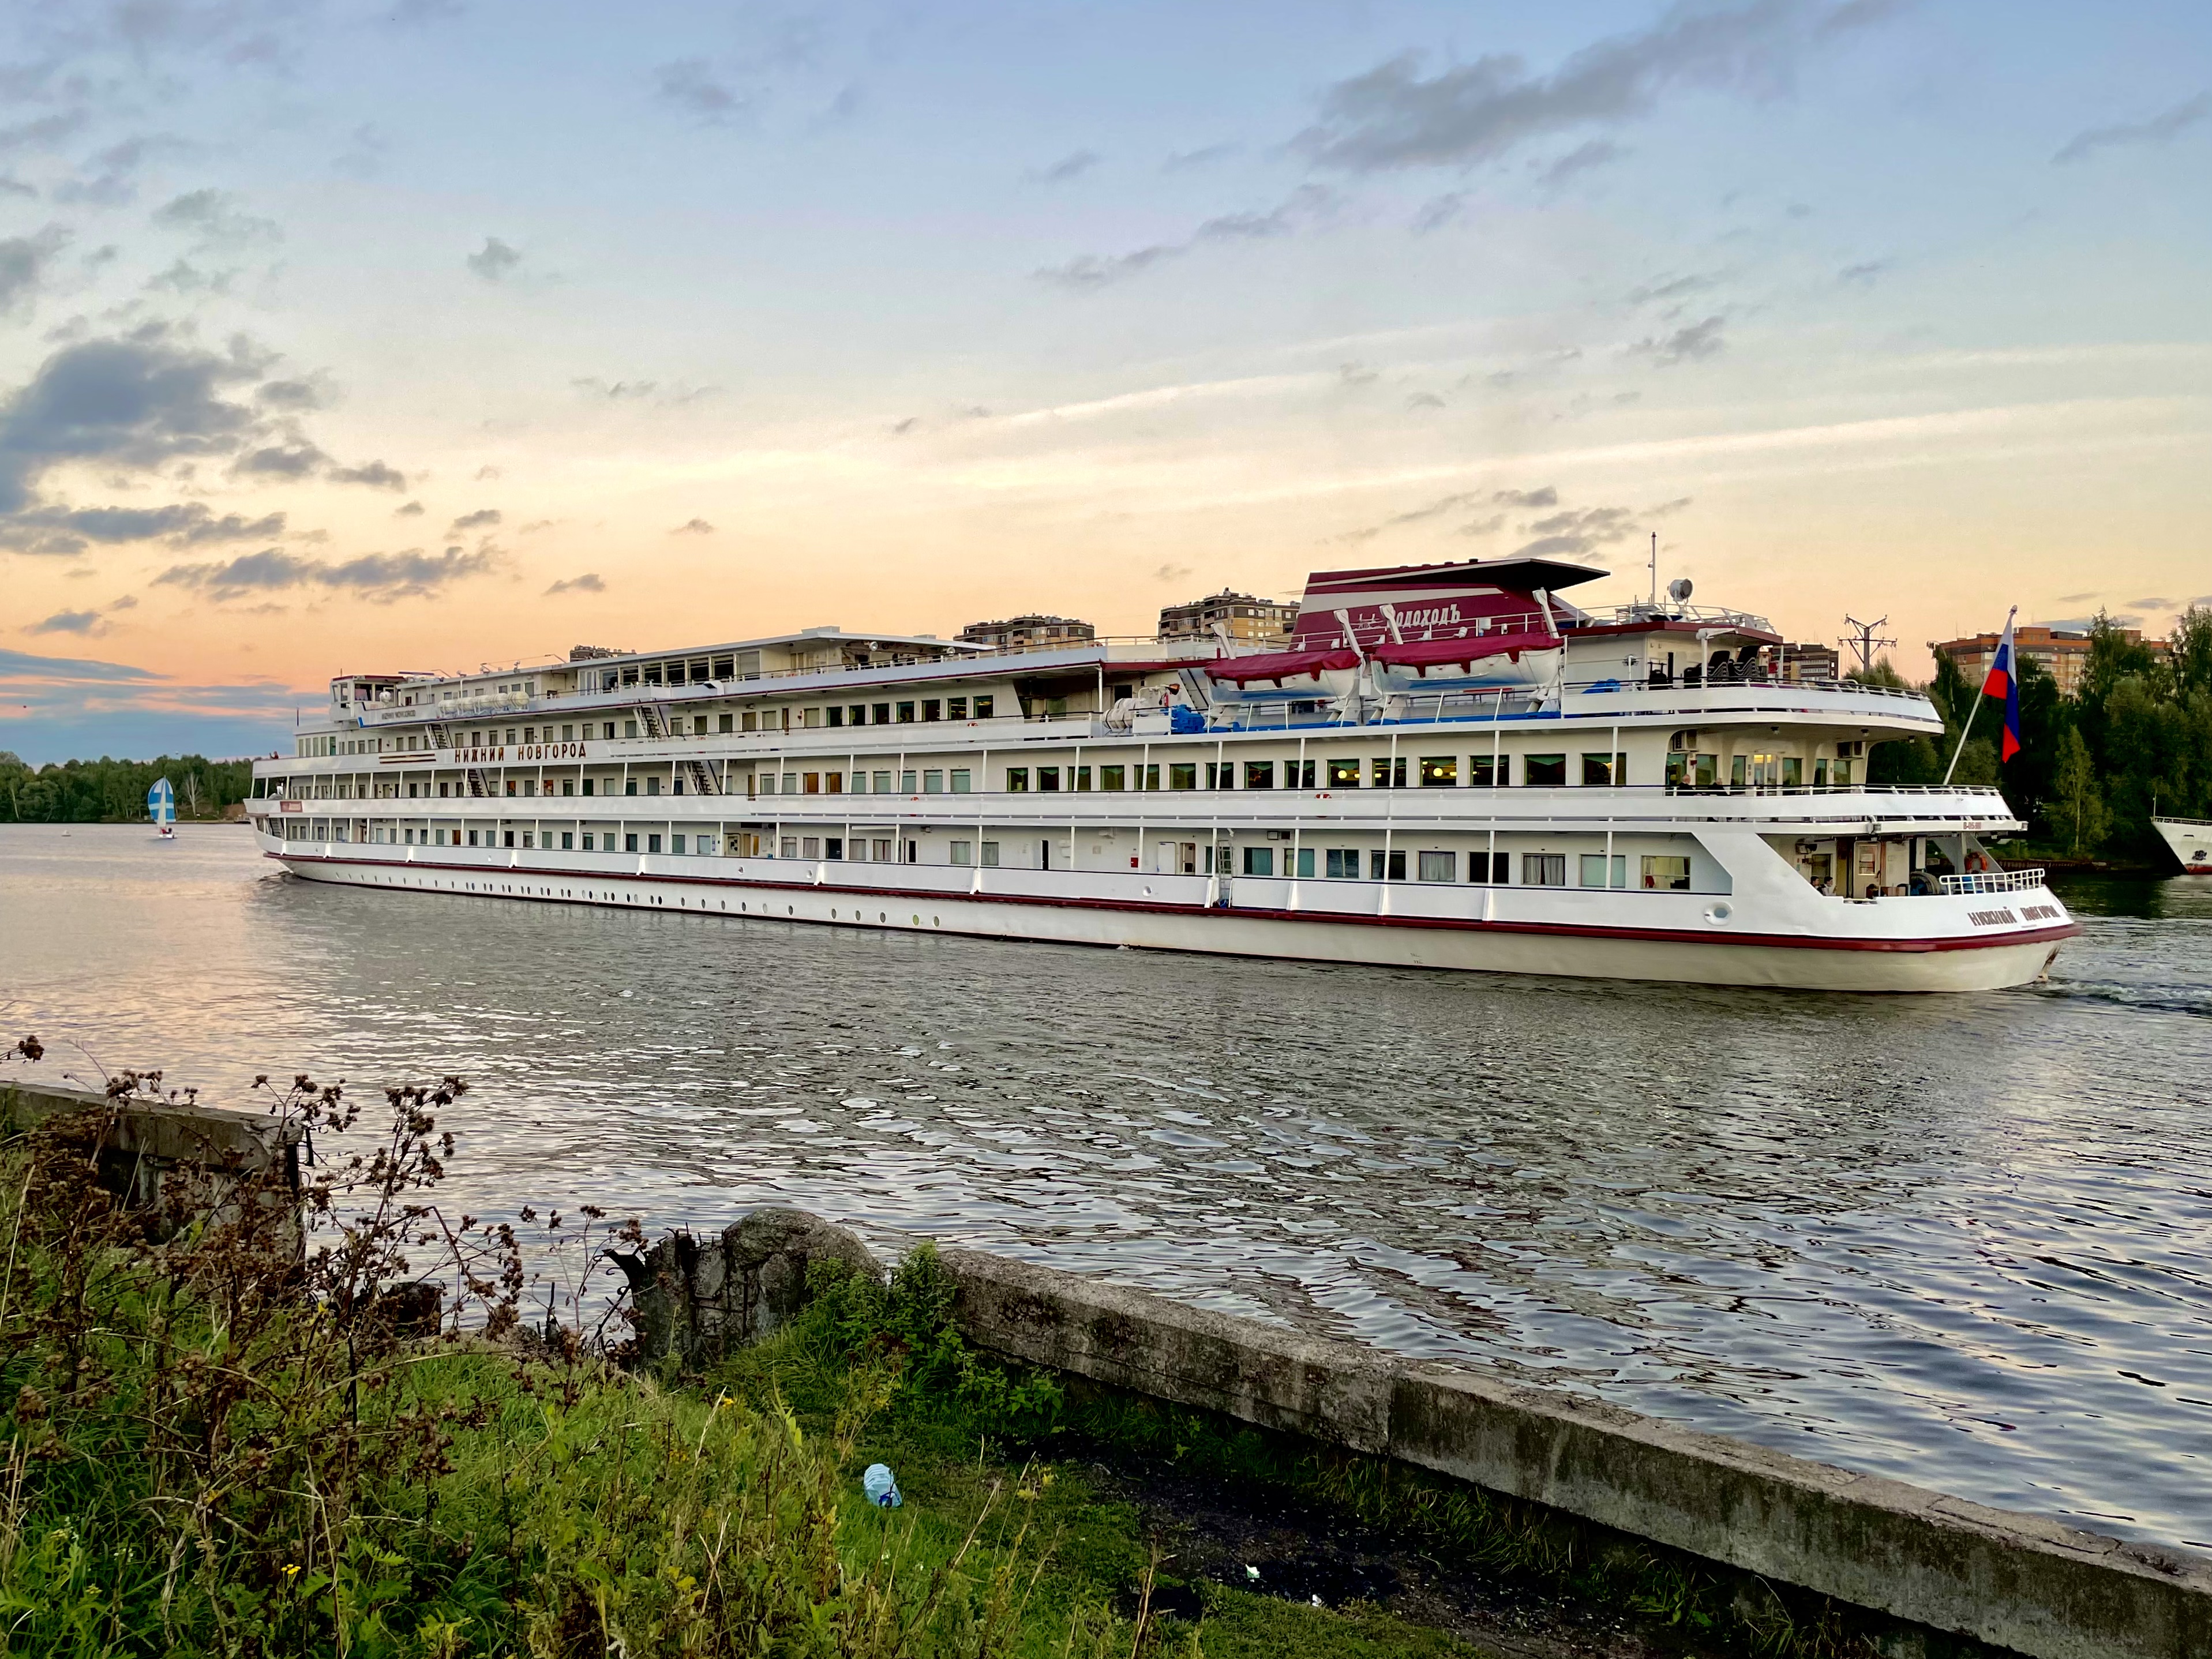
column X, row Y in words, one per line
column 884, row 783
column 906, row 714
column 675, row 843
column 1017, row 779
column 964, row 852
column 833, row 846
column 884, row 850
column 932, row 709
column 1112, row 779
column 749, row 721
column 1736, row 765
column 1820, row 775
column 567, row 840
column 509, row 838
column 983, row 713
column 589, row 838
column 1221, row 775
column 1182, row 774
column 1439, row 867
column 836, row 715
column 1491, row 869
column 568, row 786
column 511, row 785
column 725, row 723
column 653, row 785
column 990, row 855
column 1841, row 774
column 960, row 780
column 1389, row 773
column 1303, row 859
column 1151, row 779
column 790, row 848
column 1343, row 864
column 1259, row 860
column 1688, row 770
column 629, row 728
column 856, row 714
column 906, row 783
column 1439, row 772
column 1603, row 771
column 810, row 783
column 1048, row 778
column 933, row 783
column 1298, row 775
column 472, row 837
column 810, row 846
column 629, row 786
column 1386, row 866
column 1259, row 775
column 1793, row 772
column 883, row 716
column 1599, row 871
column 652, row 843
column 1344, row 775
column 955, row 709
column 1545, row 772
column 1666, row 874
column 1544, row 869
column 833, row 783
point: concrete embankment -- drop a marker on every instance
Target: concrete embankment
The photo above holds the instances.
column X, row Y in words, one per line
column 2010, row 1580
column 168, row 1159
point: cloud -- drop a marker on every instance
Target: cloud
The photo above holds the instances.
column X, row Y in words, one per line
column 213, row 217
column 412, row 510
column 689, row 84
column 1460, row 500
column 1438, row 211
column 626, row 392
column 2162, row 128
column 24, row 261
column 483, row 519
column 1582, row 158
column 1424, row 400
column 1171, row 573
column 1864, row 276
column 293, row 396
column 373, row 474
column 1573, row 532
column 68, row 622
column 58, row 529
column 899, row 428
column 1394, row 116
column 1183, row 161
column 283, row 460
column 2154, row 604
column 1693, row 343
column 1671, row 288
column 110, row 178
column 487, row 471
column 589, row 583
column 18, row 665
column 1069, row 167
column 2076, row 599
column 1092, row 272
column 693, row 528
column 493, row 260
column 380, row 576
column 184, row 278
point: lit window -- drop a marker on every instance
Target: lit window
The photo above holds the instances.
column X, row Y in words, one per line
column 1344, row 775
column 1439, row 772
column 1017, row 779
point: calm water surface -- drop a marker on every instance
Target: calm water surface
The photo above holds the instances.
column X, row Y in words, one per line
column 1961, row 1241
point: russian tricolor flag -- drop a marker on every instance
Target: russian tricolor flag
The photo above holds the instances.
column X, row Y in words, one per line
column 2003, row 682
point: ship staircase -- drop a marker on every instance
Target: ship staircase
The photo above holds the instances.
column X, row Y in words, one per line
column 700, row 773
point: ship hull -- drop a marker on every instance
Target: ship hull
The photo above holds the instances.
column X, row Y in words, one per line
column 1191, row 913
column 2189, row 841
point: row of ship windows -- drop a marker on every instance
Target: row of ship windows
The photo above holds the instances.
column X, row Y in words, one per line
column 1661, row 873
column 922, row 710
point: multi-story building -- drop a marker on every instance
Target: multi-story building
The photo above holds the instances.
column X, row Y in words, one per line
column 1809, row 662
column 1244, row 615
column 1017, row 632
column 2061, row 652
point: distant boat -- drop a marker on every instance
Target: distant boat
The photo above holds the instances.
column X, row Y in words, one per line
column 161, row 807
column 2189, row 841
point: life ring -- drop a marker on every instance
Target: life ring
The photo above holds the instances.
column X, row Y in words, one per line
column 1976, row 864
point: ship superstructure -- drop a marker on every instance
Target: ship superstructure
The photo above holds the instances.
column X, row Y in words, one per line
column 1450, row 766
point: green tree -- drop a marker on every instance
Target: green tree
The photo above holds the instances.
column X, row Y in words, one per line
column 2077, row 807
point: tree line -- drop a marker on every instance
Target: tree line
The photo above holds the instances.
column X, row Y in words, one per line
column 2133, row 741
column 107, row 791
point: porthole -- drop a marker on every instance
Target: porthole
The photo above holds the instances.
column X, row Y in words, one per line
column 1719, row 912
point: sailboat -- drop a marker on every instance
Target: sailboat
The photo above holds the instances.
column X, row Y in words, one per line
column 161, row 807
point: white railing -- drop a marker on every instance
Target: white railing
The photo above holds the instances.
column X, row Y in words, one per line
column 1991, row 881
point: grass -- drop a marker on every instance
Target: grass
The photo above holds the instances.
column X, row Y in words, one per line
column 210, row 1446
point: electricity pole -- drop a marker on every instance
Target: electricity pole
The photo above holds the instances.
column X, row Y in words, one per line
column 1862, row 640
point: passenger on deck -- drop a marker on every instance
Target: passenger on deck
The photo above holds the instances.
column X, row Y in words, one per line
column 1874, row 890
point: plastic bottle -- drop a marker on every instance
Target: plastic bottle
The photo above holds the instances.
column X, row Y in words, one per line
column 882, row 1490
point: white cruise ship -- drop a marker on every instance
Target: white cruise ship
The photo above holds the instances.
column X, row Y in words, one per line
column 1450, row 767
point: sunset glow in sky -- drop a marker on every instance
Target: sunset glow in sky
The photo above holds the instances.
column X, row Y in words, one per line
column 361, row 337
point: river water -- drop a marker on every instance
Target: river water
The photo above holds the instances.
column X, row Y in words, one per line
column 1961, row 1241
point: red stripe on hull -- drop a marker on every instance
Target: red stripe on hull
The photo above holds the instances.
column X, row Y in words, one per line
column 1660, row 935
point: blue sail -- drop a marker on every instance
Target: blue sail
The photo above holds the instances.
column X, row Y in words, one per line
column 161, row 802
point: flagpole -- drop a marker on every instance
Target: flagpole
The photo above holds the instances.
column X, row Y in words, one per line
column 1967, row 730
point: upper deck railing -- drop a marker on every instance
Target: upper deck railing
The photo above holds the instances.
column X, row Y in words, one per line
column 1991, row 881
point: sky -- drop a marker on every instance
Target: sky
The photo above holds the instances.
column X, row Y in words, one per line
column 338, row 337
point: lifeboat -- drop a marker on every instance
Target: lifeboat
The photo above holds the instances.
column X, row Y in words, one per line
column 1468, row 661
column 1326, row 673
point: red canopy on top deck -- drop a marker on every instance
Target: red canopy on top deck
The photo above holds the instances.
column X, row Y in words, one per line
column 1281, row 664
column 1465, row 652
